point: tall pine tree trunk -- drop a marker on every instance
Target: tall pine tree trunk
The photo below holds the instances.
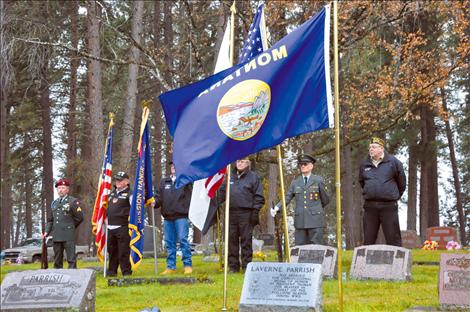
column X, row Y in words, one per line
column 413, row 160
column 131, row 98
column 71, row 124
column 455, row 171
column 28, row 192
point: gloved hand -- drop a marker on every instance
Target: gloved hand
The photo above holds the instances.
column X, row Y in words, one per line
column 274, row 210
column 254, row 217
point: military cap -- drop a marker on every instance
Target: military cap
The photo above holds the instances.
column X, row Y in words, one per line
column 121, row 175
column 304, row 158
column 377, row 140
column 62, row 182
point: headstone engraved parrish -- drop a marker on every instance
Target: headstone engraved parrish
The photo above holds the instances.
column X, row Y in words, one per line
column 49, row 290
column 272, row 286
column 381, row 262
column 319, row 254
column 454, row 281
column 442, row 235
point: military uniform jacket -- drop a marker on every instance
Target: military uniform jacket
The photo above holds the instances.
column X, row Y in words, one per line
column 310, row 200
column 119, row 207
column 65, row 216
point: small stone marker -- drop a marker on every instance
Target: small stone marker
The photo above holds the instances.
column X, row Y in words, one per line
column 257, row 244
column 442, row 235
column 273, row 286
column 454, row 281
column 410, row 239
column 49, row 290
column 267, row 238
column 381, row 262
column 319, row 254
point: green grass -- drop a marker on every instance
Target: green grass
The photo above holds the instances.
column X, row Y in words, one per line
column 358, row 295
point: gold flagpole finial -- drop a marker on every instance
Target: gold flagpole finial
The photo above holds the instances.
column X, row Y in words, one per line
column 233, row 8
column 111, row 116
column 146, row 103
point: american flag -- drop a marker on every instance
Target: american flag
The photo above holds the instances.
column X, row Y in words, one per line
column 213, row 183
column 256, row 42
column 101, row 202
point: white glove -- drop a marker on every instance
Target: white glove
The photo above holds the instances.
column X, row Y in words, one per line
column 274, row 210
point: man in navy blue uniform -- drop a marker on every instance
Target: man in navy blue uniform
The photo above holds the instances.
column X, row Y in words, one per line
column 383, row 182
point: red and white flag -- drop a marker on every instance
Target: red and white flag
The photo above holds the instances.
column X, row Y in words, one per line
column 201, row 213
column 101, row 201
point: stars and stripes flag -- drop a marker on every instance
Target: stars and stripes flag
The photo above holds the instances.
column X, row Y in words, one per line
column 101, row 201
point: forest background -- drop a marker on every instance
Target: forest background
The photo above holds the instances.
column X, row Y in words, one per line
column 65, row 65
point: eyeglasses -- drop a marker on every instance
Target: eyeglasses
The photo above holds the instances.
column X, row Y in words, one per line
column 303, row 164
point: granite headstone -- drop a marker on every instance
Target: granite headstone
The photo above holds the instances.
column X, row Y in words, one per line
column 442, row 235
column 381, row 262
column 272, row 286
column 267, row 238
column 319, row 254
column 454, row 281
column 49, row 290
column 410, row 239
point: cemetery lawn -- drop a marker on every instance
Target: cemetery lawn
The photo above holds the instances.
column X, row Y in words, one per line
column 358, row 295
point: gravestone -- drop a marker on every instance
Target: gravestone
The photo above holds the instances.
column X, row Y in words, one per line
column 454, row 281
column 442, row 235
column 257, row 245
column 49, row 290
column 273, row 286
column 381, row 262
column 319, row 254
column 410, row 239
column 267, row 238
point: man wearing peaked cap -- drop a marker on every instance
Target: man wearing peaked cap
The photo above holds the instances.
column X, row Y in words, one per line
column 311, row 198
column 383, row 182
column 64, row 217
column 119, row 205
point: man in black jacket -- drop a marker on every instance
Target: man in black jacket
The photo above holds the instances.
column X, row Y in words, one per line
column 119, row 205
column 246, row 200
column 383, row 182
column 175, row 207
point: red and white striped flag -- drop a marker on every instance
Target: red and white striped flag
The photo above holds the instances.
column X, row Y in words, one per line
column 101, row 201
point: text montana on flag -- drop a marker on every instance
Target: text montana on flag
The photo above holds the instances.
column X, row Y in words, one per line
column 283, row 92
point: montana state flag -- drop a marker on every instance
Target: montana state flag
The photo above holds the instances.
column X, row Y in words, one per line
column 142, row 195
column 283, row 92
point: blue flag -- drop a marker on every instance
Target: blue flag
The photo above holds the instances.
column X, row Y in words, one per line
column 283, row 92
column 142, row 194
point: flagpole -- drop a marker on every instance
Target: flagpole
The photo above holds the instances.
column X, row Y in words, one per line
column 154, row 241
column 338, row 163
column 105, row 250
column 233, row 10
column 283, row 201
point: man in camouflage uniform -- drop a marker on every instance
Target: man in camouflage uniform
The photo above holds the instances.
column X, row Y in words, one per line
column 65, row 216
column 310, row 199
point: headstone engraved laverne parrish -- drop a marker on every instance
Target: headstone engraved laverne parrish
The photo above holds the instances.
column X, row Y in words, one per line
column 271, row 286
column 381, row 262
column 49, row 290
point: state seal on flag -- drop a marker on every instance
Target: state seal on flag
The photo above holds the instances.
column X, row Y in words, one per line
column 243, row 109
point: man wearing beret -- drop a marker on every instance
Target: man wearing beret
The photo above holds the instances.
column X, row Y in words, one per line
column 119, row 205
column 246, row 201
column 383, row 182
column 62, row 221
column 310, row 200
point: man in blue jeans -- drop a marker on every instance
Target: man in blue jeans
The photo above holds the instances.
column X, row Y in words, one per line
column 175, row 207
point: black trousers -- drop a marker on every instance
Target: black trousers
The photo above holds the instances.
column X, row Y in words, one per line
column 119, row 250
column 309, row 236
column 240, row 233
column 69, row 247
column 388, row 218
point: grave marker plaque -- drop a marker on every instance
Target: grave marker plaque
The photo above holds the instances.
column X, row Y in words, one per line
column 381, row 262
column 49, row 290
column 318, row 254
column 272, row 286
column 454, row 281
column 442, row 235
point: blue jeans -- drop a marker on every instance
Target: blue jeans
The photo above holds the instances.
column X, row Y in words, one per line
column 174, row 231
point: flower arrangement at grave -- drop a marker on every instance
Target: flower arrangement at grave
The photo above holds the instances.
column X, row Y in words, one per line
column 430, row 245
column 453, row 245
column 259, row 255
